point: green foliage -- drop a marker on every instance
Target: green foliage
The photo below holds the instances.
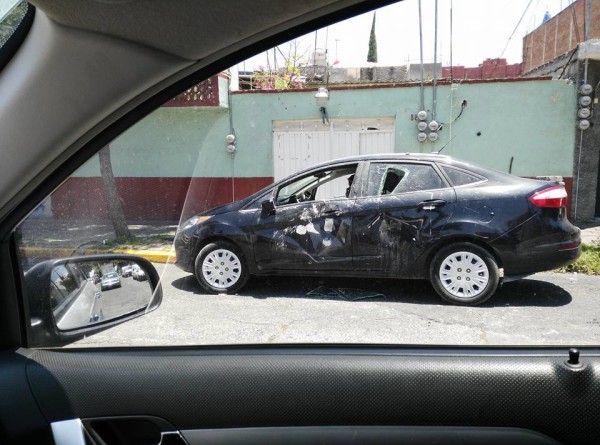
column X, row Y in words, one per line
column 588, row 263
column 10, row 22
column 283, row 79
column 372, row 55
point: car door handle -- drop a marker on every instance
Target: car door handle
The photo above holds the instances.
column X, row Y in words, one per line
column 332, row 212
column 431, row 204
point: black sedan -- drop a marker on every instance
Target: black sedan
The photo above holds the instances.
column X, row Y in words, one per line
column 464, row 227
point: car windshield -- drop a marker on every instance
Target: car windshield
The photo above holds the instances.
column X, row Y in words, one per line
column 425, row 173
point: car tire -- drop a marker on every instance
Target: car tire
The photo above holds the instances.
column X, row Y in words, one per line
column 220, row 267
column 464, row 274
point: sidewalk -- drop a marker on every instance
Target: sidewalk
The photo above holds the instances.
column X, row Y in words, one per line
column 590, row 232
column 44, row 238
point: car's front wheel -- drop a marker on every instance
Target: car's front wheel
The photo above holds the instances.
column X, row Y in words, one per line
column 464, row 274
column 220, row 268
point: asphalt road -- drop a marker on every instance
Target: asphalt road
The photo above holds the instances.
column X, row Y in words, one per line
column 131, row 296
column 546, row 309
column 93, row 302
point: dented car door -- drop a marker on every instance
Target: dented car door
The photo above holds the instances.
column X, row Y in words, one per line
column 405, row 208
column 309, row 226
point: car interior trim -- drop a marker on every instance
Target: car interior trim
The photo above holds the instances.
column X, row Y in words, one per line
column 359, row 435
column 68, row 432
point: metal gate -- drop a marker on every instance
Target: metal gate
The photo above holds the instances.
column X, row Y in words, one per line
column 299, row 144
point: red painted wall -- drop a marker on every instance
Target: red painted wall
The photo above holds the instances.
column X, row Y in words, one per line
column 569, row 187
column 151, row 199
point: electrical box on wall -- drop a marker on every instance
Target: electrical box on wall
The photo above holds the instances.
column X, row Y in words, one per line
column 584, row 102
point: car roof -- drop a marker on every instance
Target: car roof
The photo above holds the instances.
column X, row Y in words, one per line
column 409, row 157
column 429, row 157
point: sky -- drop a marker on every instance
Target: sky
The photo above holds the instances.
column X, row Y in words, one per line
column 481, row 29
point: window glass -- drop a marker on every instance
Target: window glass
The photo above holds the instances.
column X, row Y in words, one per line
column 16, row 17
column 460, row 177
column 11, row 15
column 322, row 185
column 207, row 186
column 394, row 179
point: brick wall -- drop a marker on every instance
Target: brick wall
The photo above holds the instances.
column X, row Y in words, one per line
column 489, row 69
column 560, row 34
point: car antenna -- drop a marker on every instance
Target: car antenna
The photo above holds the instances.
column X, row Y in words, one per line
column 440, row 150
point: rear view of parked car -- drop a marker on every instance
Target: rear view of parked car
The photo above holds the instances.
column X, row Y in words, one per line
column 110, row 280
column 138, row 274
column 463, row 227
column 126, row 271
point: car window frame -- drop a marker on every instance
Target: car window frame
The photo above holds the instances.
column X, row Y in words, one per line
column 433, row 165
column 16, row 39
column 72, row 295
column 305, row 174
column 442, row 166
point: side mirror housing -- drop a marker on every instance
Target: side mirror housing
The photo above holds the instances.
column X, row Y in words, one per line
column 268, row 208
column 70, row 298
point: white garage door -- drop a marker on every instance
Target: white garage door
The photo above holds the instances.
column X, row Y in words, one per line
column 300, row 144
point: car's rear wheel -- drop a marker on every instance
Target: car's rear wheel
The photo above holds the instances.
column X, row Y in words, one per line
column 220, row 268
column 464, row 273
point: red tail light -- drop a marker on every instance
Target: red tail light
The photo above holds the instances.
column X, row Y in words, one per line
column 553, row 198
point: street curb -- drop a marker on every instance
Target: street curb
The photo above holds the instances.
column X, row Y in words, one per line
column 155, row 256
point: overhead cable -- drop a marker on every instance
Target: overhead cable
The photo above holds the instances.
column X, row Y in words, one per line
column 511, row 36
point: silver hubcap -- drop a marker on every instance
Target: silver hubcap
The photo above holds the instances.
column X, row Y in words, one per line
column 464, row 275
column 221, row 268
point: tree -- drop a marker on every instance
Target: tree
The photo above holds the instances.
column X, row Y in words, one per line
column 284, row 78
column 372, row 55
column 115, row 210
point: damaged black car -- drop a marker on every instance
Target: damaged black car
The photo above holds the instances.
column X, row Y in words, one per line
column 464, row 227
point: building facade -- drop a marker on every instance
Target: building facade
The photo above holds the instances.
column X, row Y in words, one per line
column 567, row 47
column 175, row 161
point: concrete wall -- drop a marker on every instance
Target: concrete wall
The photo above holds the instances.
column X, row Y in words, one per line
column 530, row 123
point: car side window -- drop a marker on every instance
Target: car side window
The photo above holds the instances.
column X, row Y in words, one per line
column 321, row 185
column 460, row 177
column 65, row 284
column 397, row 178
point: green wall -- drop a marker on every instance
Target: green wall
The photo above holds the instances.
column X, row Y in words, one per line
column 171, row 142
column 532, row 121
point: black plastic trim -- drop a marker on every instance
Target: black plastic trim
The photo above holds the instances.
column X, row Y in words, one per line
column 359, row 435
column 294, row 387
column 9, row 49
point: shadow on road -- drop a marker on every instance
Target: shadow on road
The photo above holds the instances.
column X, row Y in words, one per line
column 530, row 292
column 519, row 293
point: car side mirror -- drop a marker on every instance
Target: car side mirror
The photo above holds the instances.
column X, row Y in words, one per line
column 268, row 208
column 70, row 298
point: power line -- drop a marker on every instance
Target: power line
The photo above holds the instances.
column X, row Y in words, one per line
column 435, row 43
column 421, row 51
column 511, row 36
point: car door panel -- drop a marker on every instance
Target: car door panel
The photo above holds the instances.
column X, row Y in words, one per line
column 368, row 435
column 208, row 388
column 313, row 235
column 394, row 230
